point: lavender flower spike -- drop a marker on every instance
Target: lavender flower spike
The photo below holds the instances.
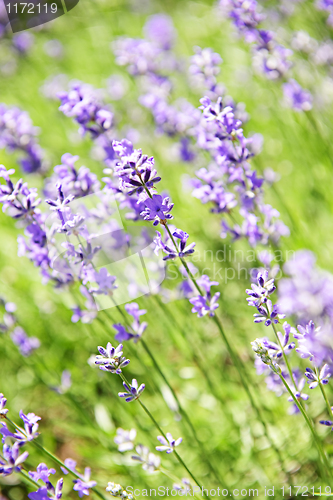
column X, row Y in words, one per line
column 262, row 352
column 260, row 292
column 3, row 401
column 168, row 444
column 133, row 391
column 321, row 378
column 111, row 359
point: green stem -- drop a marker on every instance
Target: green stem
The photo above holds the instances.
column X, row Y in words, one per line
column 309, row 424
column 285, row 358
column 240, row 370
column 180, row 460
column 181, row 409
column 329, row 409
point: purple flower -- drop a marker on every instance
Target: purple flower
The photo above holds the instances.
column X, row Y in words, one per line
column 321, row 378
column 157, row 209
column 260, row 292
column 284, row 339
column 83, row 485
column 133, row 392
column 296, row 97
column 25, row 344
column 3, row 402
column 168, row 443
column 173, row 251
column 12, row 460
column 30, row 425
column 83, row 103
column 268, row 314
column 105, row 282
column 124, row 439
column 70, row 464
column 40, row 494
column 206, row 303
column 150, row 462
column 111, row 359
column 17, row 133
column 160, row 29
column 42, row 473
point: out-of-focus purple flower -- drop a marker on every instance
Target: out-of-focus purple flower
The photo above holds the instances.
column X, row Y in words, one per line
column 17, row 133
column 82, row 486
column 23, row 42
column 111, row 359
column 150, row 462
column 160, row 29
column 297, row 98
column 284, row 340
column 84, row 104
column 204, row 69
column 25, row 344
column 42, row 473
column 133, row 391
column 206, row 303
column 105, row 282
column 168, row 443
column 11, row 460
column 125, row 439
column 318, row 378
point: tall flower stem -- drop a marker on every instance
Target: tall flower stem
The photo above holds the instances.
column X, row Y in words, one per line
column 180, row 460
column 239, row 366
column 181, row 409
column 53, row 457
column 328, row 406
column 310, row 425
column 196, row 358
column 292, row 378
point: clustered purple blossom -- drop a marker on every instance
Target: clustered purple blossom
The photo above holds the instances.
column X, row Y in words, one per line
column 43, row 230
column 229, row 181
column 17, row 133
column 11, row 459
column 308, row 342
column 270, row 57
column 111, row 359
column 83, row 483
column 84, row 104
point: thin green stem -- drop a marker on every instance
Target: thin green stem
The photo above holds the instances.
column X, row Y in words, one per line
column 144, row 407
column 328, row 406
column 285, row 358
column 242, row 376
column 309, row 424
